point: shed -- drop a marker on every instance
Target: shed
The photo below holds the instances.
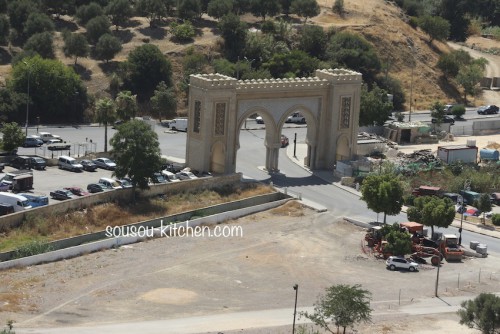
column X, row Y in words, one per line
column 452, row 153
column 488, row 154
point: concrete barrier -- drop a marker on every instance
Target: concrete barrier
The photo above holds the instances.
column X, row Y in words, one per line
column 124, row 240
column 485, row 82
column 119, row 195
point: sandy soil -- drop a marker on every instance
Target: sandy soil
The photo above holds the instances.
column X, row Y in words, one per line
column 181, row 277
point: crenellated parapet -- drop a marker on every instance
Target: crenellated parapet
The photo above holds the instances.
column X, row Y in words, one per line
column 339, row 75
column 212, row 81
column 280, row 84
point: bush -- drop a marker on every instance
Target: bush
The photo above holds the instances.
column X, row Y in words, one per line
column 408, row 200
column 495, row 219
column 413, row 22
column 183, row 32
column 32, row 248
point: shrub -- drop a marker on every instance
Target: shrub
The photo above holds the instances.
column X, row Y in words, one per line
column 413, row 22
column 495, row 219
column 32, row 248
column 183, row 32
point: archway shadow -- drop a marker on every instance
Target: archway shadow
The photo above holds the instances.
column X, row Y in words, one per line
column 281, row 180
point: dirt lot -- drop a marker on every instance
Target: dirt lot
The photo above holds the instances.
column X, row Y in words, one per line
column 182, row 277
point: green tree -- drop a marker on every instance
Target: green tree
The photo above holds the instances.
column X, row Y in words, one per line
column 313, row 40
column 448, row 65
column 354, row 52
column 42, row 43
column 393, row 86
column 432, row 211
column 183, row 32
column 436, row 27
column 75, row 45
column 481, row 313
column 119, row 11
column 241, row 7
column 305, row 8
column 107, row 47
column 458, row 110
column 126, row 105
column 38, row 23
column 146, row 67
column 164, row 101
column 85, row 13
column 59, row 7
column 189, row 9
column 343, row 306
column 12, row 104
column 338, row 7
column 263, row 8
column 398, row 243
column 295, row 63
column 375, row 107
column 114, row 85
column 18, row 11
column 106, row 113
column 484, row 204
column 437, row 112
column 219, row 8
column 137, row 152
column 4, row 29
column 455, row 12
column 97, row 27
column 153, row 10
column 13, row 136
column 383, row 193
column 234, row 33
column 469, row 77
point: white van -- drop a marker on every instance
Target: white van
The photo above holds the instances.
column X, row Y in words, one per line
column 110, row 183
column 19, row 202
column 179, row 124
column 69, row 163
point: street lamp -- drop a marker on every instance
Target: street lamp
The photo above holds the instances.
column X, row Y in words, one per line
column 462, row 209
column 28, row 99
column 296, row 288
column 411, row 80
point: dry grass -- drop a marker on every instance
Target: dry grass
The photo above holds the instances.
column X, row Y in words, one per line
column 96, row 218
column 291, row 208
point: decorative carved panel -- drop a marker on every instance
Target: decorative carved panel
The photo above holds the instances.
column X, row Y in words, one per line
column 220, row 118
column 345, row 112
column 197, row 116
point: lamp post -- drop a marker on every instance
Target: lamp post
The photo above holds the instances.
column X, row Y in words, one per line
column 462, row 208
column 28, row 98
column 296, row 288
column 412, row 50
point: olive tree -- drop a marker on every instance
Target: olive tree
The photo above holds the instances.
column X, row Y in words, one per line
column 13, row 136
column 432, row 211
column 383, row 193
column 481, row 313
column 343, row 306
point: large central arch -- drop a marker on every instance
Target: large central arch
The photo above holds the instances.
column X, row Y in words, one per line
column 218, row 106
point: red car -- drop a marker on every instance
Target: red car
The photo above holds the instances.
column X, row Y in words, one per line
column 284, row 141
column 77, row 191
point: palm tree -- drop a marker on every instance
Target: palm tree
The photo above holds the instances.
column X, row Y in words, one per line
column 126, row 105
column 106, row 113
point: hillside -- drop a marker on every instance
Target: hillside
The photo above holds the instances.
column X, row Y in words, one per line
column 381, row 22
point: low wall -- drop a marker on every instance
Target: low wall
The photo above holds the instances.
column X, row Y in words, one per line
column 119, row 195
column 114, row 242
column 485, row 127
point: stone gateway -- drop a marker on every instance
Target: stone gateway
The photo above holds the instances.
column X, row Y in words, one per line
column 219, row 105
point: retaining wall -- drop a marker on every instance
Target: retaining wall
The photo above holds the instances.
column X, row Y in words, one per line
column 119, row 195
column 123, row 240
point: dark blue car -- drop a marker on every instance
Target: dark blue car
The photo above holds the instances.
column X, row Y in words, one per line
column 36, row 200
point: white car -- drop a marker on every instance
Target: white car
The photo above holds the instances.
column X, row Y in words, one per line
column 169, row 176
column 395, row 262
column 186, row 176
column 105, row 163
column 259, row 120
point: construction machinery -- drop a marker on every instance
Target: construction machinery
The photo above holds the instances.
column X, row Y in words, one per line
column 373, row 236
column 450, row 248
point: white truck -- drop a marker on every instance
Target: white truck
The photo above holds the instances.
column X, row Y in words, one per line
column 18, row 202
column 178, row 124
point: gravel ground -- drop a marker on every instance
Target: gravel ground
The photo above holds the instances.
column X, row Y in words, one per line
column 181, row 277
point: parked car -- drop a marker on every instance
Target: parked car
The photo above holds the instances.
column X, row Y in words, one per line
column 169, row 176
column 446, row 119
column 69, row 163
column 158, row 178
column 54, row 141
column 447, row 109
column 199, row 174
column 37, row 163
column 62, row 194
column 395, row 262
column 495, row 198
column 77, row 191
column 259, row 120
column 486, row 110
column 124, row 183
column 184, row 175
column 6, row 209
column 296, row 118
column 284, row 141
column 46, row 136
column 32, row 142
column 105, row 163
column 95, row 188
column 21, row 162
column 2, row 166
column 36, row 200
column 109, row 183
column 88, row 165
